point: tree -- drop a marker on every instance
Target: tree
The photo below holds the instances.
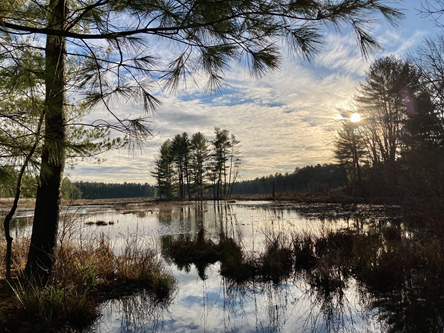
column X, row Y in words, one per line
column 21, row 120
column 180, row 150
column 192, row 162
column 164, row 171
column 221, row 146
column 18, row 187
column 429, row 58
column 328, row 175
column 235, row 162
column 423, row 156
column 69, row 190
column 200, row 155
column 91, row 190
column 433, row 9
column 208, row 34
column 349, row 151
column 387, row 98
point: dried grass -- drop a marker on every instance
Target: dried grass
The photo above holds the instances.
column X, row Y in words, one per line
column 85, row 273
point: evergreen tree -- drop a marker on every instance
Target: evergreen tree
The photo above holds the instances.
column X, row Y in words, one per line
column 69, row 190
column 200, row 155
column 180, row 150
column 349, row 151
column 235, row 162
column 207, row 34
column 387, row 98
column 221, row 146
column 164, row 171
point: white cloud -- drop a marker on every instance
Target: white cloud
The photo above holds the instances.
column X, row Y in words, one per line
column 284, row 120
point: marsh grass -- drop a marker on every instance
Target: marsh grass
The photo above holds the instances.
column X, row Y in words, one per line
column 273, row 265
column 86, row 272
column 20, row 247
column 301, row 197
column 380, row 262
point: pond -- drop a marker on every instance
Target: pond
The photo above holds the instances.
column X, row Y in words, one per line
column 206, row 300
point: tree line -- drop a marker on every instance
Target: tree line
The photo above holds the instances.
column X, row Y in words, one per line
column 315, row 179
column 396, row 149
column 95, row 190
column 78, row 190
column 196, row 166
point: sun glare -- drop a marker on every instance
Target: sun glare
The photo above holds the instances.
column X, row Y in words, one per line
column 355, row 117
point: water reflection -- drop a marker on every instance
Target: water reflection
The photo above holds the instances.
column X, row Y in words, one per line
column 327, row 290
column 137, row 313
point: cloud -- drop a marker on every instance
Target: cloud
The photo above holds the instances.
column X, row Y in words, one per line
column 284, row 120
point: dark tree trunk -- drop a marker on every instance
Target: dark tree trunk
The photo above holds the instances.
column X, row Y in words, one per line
column 8, row 218
column 47, row 206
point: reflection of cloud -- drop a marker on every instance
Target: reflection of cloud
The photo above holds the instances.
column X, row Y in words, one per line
column 211, row 299
column 283, row 120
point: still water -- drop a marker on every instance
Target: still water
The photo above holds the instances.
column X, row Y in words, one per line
column 206, row 301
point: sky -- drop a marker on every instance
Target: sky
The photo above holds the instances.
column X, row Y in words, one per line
column 286, row 119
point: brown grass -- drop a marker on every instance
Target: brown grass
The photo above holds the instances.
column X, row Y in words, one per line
column 299, row 197
column 85, row 274
column 20, row 249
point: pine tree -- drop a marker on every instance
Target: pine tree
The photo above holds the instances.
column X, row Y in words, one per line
column 163, row 170
column 207, row 35
column 200, row 155
column 349, row 151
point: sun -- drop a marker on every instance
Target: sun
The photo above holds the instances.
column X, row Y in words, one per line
column 355, row 117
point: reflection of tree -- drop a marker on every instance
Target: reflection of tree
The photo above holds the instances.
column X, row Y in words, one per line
column 367, row 276
column 408, row 313
column 351, row 280
column 325, row 271
column 139, row 313
column 329, row 312
column 192, row 219
column 270, row 302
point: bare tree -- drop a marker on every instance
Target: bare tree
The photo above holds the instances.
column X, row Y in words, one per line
column 433, row 9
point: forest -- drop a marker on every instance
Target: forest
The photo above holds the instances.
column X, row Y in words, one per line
column 393, row 151
column 95, row 190
column 81, row 190
column 317, row 179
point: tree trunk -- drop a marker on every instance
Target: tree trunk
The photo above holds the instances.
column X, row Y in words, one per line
column 18, row 189
column 47, row 206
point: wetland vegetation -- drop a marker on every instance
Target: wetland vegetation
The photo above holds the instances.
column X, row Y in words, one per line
column 163, row 266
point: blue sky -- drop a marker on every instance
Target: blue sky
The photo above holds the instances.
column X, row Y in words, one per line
column 284, row 120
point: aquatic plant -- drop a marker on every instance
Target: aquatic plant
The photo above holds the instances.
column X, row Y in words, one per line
column 273, row 265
